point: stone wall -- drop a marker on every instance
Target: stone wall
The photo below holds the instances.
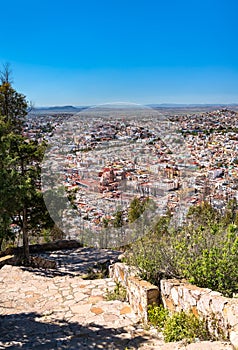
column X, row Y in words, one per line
column 36, row 261
column 39, row 248
column 221, row 313
column 42, row 263
column 8, row 259
column 139, row 293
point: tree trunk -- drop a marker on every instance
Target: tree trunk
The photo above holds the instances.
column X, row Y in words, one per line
column 24, row 224
column 25, row 237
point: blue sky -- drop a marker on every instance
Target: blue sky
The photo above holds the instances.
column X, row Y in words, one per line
column 84, row 52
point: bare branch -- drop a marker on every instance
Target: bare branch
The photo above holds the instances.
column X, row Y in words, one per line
column 30, row 107
column 6, row 73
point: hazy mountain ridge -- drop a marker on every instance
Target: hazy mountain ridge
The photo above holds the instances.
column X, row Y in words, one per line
column 173, row 107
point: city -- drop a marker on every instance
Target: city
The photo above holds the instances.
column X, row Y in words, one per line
column 108, row 158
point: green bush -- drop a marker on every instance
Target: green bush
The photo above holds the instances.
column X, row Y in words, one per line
column 119, row 293
column 183, row 325
column 204, row 251
column 208, row 259
column 157, row 315
column 179, row 326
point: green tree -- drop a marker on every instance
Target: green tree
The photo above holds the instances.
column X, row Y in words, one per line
column 21, row 199
column 118, row 221
column 6, row 184
column 13, row 105
column 137, row 207
column 30, row 213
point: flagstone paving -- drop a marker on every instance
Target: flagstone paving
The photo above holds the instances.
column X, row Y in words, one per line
column 80, row 260
column 64, row 312
column 46, row 311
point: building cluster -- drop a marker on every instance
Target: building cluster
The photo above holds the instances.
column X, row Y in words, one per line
column 212, row 140
column 107, row 162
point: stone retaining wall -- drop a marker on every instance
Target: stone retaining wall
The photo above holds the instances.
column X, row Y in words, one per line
column 39, row 248
column 139, row 293
column 221, row 313
column 37, row 261
column 8, row 259
column 42, row 263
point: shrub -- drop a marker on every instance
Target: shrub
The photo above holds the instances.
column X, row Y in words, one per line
column 208, row 259
column 183, row 325
column 204, row 251
column 179, row 326
column 157, row 315
column 94, row 274
column 119, row 293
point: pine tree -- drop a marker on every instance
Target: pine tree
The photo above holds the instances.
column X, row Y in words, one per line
column 21, row 199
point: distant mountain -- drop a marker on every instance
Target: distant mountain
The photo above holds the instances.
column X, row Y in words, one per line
column 163, row 106
column 192, row 105
column 62, row 108
column 58, row 109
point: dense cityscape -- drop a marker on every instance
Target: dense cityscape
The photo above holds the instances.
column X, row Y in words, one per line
column 119, row 175
column 106, row 162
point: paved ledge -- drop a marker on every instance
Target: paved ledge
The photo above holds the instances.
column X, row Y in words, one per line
column 5, row 258
column 42, row 310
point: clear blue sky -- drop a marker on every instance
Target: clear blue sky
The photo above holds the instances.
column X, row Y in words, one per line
column 144, row 51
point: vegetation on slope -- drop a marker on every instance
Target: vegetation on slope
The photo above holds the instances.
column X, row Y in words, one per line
column 204, row 250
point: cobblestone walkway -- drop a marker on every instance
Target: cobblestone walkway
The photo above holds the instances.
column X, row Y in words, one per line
column 64, row 312
column 42, row 311
column 79, row 261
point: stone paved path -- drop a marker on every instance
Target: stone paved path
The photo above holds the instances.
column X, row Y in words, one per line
column 45, row 311
column 64, row 312
column 79, row 261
